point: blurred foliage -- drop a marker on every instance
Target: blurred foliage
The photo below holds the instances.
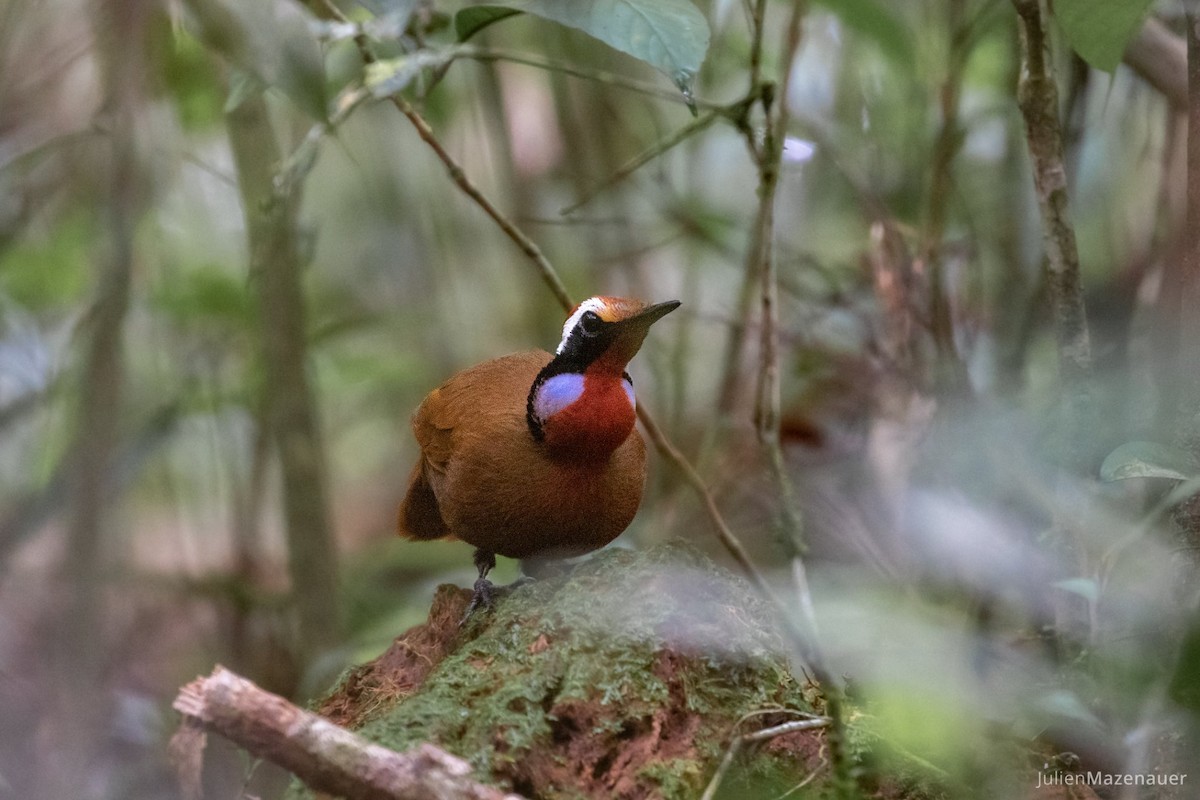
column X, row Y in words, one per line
column 49, row 272
column 970, row 624
column 1099, row 31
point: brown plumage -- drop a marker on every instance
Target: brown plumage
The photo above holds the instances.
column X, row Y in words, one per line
column 505, row 492
column 535, row 455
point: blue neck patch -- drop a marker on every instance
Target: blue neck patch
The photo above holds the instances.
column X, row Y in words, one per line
column 556, row 393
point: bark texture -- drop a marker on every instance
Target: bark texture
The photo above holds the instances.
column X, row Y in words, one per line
column 326, row 757
column 1037, row 94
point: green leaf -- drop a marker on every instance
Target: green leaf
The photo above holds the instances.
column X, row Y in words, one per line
column 1147, row 460
column 873, row 20
column 1099, row 30
column 669, row 35
column 472, row 19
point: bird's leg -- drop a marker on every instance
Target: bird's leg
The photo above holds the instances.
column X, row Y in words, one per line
column 485, row 561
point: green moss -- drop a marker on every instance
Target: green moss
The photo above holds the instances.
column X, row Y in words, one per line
column 630, row 670
column 675, row 777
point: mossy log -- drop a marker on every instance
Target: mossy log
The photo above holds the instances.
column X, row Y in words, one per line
column 625, row 678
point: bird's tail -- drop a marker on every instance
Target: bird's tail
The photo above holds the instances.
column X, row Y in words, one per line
column 420, row 516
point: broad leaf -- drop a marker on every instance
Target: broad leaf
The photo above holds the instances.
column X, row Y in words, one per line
column 1147, row 460
column 669, row 35
column 873, row 19
column 472, row 19
column 1099, row 30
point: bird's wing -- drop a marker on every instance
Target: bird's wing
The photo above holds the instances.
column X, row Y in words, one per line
column 465, row 402
column 433, row 427
column 467, row 406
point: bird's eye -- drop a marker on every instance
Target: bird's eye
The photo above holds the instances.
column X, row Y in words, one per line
column 590, row 323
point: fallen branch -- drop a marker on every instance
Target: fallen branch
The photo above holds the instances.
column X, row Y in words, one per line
column 325, row 756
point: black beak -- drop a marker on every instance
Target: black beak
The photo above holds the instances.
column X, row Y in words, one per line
column 651, row 314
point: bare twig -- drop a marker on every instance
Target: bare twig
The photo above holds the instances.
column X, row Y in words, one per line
column 323, row 755
column 812, row 776
column 731, row 752
column 638, row 161
column 518, row 237
column 785, row 728
column 724, row 534
column 761, row 261
column 950, row 372
column 1037, row 95
column 527, row 245
column 327, row 9
column 1038, row 98
column 763, row 735
column 758, row 13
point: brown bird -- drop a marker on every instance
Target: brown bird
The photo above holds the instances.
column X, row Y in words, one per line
column 533, row 455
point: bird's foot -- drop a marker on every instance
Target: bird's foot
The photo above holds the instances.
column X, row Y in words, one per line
column 487, row 593
column 483, row 597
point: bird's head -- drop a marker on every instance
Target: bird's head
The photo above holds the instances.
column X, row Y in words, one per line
column 602, row 334
column 583, row 401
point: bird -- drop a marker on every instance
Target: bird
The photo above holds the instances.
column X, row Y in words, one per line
column 534, row 455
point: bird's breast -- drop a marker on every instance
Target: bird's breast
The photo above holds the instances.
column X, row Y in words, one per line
column 585, row 415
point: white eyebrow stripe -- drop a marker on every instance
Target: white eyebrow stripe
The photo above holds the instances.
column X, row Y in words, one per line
column 591, row 304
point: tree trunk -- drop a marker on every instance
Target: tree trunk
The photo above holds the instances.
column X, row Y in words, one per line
column 275, row 271
column 79, row 666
